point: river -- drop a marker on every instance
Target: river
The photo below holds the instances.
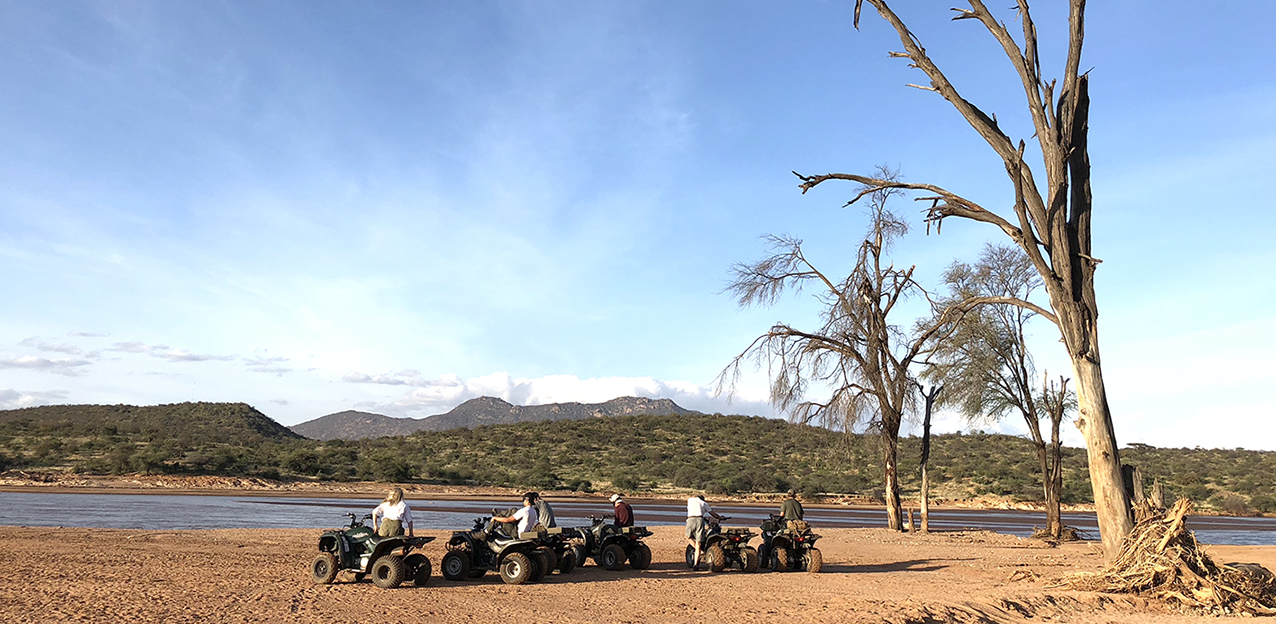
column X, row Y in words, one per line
column 173, row 511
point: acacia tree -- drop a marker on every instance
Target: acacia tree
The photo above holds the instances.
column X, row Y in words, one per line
column 987, row 362
column 1051, row 223
column 859, row 352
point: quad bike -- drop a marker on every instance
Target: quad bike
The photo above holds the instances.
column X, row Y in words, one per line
column 610, row 545
column 359, row 550
column 518, row 559
column 789, row 545
column 724, row 548
column 561, row 541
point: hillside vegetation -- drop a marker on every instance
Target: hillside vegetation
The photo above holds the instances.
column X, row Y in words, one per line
column 719, row 454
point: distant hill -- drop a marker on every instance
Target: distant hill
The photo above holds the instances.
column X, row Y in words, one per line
column 195, row 422
column 353, row 425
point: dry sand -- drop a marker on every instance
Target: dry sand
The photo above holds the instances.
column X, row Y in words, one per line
column 870, row 575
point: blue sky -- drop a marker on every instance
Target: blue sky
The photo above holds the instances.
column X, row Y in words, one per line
column 394, row 207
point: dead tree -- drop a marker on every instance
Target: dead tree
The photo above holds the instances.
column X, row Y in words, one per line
column 1056, row 401
column 1051, row 223
column 925, row 496
column 859, row 351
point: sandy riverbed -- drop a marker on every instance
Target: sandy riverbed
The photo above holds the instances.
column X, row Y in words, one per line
column 870, row 575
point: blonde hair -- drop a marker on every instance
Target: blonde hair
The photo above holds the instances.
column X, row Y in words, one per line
column 395, row 496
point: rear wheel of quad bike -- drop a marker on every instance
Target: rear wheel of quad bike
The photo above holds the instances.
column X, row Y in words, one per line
column 456, row 566
column 581, row 555
column 814, row 560
column 779, row 559
column 323, row 570
column 419, row 569
column 540, row 565
column 516, row 569
column 749, row 559
column 691, row 556
column 640, row 557
column 764, row 557
column 567, row 563
column 551, row 559
column 388, row 571
column 612, row 557
column 717, row 558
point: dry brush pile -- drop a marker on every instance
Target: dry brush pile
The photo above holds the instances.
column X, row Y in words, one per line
column 1161, row 559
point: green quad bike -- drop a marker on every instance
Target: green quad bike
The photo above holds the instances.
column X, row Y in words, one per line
column 488, row 546
column 358, row 550
column 724, row 548
column 789, row 546
column 610, row 546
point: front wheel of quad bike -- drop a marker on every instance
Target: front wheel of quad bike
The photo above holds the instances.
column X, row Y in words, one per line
column 567, row 563
column 640, row 557
column 749, row 559
column 612, row 557
column 516, row 569
column 717, row 558
column 779, row 559
column 388, row 571
column 419, row 569
column 814, row 560
column 456, row 566
column 581, row 555
column 323, row 570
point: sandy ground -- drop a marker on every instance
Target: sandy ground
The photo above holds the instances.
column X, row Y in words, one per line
column 870, row 575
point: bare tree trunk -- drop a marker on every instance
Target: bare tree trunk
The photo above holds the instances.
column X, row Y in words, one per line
column 1111, row 505
column 1054, row 489
column 894, row 509
column 925, row 500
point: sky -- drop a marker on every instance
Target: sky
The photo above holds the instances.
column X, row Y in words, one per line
column 395, row 207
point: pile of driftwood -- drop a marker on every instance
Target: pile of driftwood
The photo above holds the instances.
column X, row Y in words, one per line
column 1161, row 559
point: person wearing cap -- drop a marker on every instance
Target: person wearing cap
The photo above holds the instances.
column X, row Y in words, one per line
column 791, row 508
column 697, row 510
column 624, row 513
column 543, row 510
column 525, row 517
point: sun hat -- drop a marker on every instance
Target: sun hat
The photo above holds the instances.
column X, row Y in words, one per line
column 615, row 497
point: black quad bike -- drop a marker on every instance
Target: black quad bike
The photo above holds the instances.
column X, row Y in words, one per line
column 488, row 546
column 789, row 546
column 723, row 548
column 359, row 550
column 610, row 545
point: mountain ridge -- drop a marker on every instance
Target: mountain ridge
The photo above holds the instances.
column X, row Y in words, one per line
column 476, row 412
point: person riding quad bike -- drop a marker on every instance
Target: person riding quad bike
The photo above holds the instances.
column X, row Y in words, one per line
column 789, row 545
column 488, row 546
column 357, row 549
column 611, row 545
column 725, row 547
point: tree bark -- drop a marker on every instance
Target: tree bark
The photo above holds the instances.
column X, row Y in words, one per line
column 1111, row 505
column 925, row 500
column 894, row 509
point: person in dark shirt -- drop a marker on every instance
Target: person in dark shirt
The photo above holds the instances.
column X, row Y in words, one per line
column 543, row 510
column 624, row 513
column 791, row 508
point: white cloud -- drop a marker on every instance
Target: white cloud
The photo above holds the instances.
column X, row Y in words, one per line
column 435, row 396
column 13, row 399
column 164, row 352
column 84, row 334
column 268, row 365
column 65, row 366
column 35, row 342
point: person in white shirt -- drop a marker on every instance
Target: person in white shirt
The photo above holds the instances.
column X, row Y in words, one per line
column 697, row 512
column 525, row 517
column 390, row 516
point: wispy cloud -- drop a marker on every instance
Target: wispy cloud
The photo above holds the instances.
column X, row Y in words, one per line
column 14, row 399
column 39, row 344
column 165, row 352
column 268, row 365
column 64, row 366
column 84, row 334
